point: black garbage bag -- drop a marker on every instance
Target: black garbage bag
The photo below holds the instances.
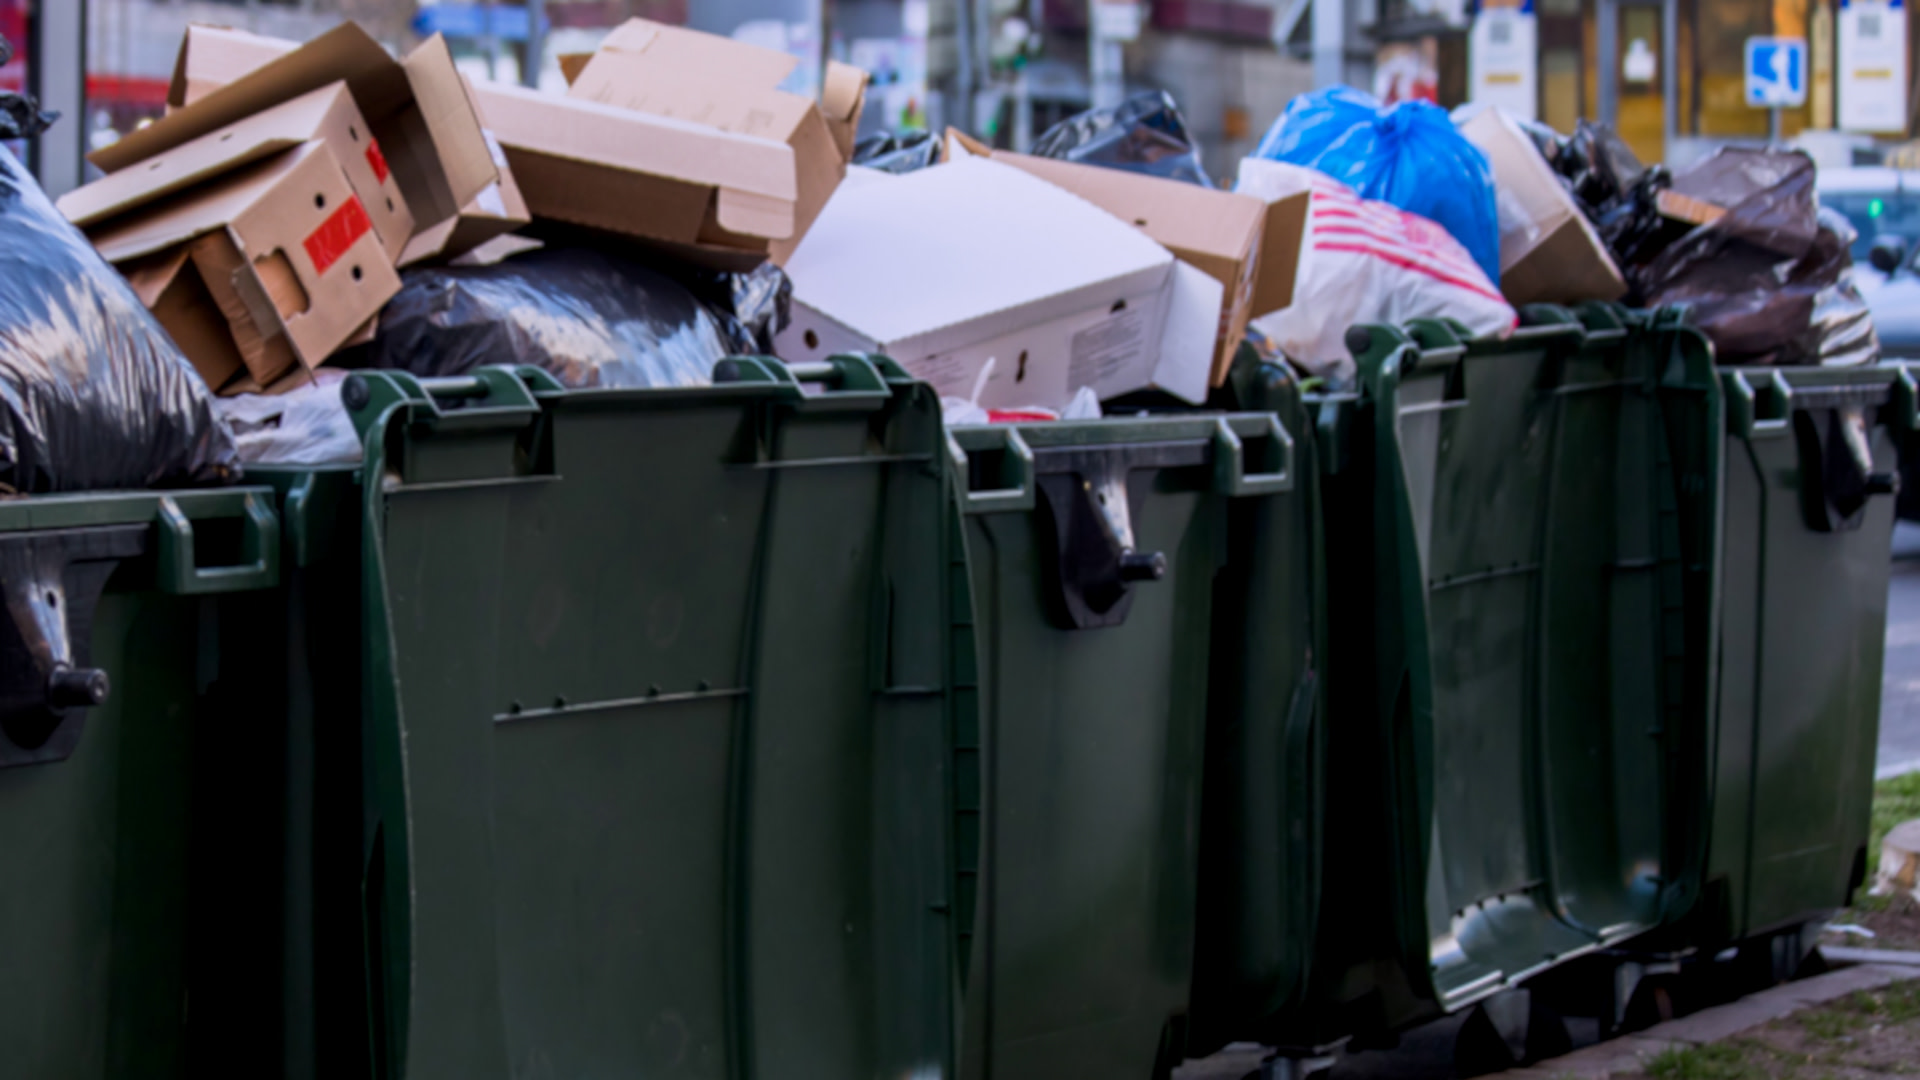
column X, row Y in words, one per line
column 1144, row 133
column 755, row 305
column 93, row 394
column 1615, row 191
column 1771, row 282
column 898, row 153
column 591, row 318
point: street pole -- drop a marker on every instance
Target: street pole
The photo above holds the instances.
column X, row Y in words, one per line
column 57, row 64
column 537, row 43
column 1329, row 43
column 1669, row 76
column 1607, row 59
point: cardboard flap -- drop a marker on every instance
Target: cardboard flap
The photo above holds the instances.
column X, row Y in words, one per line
column 696, row 56
column 452, row 120
column 586, row 131
column 1187, row 340
column 213, row 56
column 843, row 97
column 150, row 278
column 176, row 221
column 344, row 53
column 128, row 190
column 251, row 139
column 629, row 83
column 1281, row 240
column 572, row 64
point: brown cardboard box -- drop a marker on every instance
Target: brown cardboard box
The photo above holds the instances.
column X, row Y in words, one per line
column 671, row 72
column 720, row 198
column 328, row 115
column 1549, row 252
column 282, row 249
column 1233, row 238
column 418, row 107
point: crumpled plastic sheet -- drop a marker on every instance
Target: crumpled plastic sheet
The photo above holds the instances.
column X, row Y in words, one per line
column 1144, row 134
column 1772, row 281
column 590, row 318
column 93, row 394
column 307, row 425
column 898, row 153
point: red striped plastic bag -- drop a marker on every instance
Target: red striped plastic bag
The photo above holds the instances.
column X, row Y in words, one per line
column 1367, row 262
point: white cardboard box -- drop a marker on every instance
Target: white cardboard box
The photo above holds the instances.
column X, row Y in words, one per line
column 949, row 266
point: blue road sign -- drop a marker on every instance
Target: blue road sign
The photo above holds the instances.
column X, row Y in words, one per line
column 1776, row 72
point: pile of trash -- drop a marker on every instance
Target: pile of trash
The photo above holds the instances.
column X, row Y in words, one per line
column 303, row 209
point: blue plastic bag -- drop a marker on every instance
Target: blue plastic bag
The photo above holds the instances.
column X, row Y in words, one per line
column 1409, row 155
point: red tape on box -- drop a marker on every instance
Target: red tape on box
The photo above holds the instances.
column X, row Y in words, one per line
column 376, row 160
column 335, row 235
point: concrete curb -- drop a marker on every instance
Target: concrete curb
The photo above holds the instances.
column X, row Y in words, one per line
column 1629, row 1054
column 1843, row 955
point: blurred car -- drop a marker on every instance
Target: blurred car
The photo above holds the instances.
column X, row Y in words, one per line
column 1884, row 206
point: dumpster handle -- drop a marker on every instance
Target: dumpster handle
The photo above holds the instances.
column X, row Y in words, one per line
column 1016, row 469
column 1230, row 475
column 1906, row 400
column 1761, row 412
column 177, row 571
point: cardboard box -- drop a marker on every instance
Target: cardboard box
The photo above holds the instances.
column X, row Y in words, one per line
column 418, row 107
column 1228, row 236
column 1549, row 252
column 716, row 197
column 947, row 267
column 328, row 115
column 668, row 71
column 271, row 265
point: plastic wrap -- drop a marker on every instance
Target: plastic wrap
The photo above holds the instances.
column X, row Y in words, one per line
column 93, row 394
column 1771, row 282
column 307, row 425
column 1144, row 134
column 588, row 317
column 901, row 152
column 1409, row 155
column 1366, row 262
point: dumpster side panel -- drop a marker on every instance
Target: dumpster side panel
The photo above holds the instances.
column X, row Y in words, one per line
column 1093, row 741
column 1803, row 669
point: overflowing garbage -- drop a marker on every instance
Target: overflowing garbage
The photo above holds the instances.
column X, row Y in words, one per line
column 310, row 207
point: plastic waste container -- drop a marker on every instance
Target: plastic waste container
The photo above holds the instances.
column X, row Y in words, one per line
column 1808, row 477
column 652, row 742
column 1508, row 633
column 1261, row 823
column 1094, row 554
column 119, row 718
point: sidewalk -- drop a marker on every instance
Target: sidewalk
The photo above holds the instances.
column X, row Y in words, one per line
column 1857, row 1021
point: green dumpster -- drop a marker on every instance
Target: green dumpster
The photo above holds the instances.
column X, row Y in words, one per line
column 1807, row 482
column 653, row 731
column 1093, row 556
column 1261, row 823
column 118, row 734
column 1509, row 641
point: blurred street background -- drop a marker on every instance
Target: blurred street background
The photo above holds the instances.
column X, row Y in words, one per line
column 1672, row 76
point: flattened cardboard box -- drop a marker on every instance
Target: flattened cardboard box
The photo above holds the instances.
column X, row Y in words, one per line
column 328, row 115
column 1549, row 252
column 1007, row 267
column 283, row 251
column 418, row 107
column 671, row 72
column 1233, row 238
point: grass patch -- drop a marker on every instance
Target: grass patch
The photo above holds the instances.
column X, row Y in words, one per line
column 1895, row 800
column 1718, row 1061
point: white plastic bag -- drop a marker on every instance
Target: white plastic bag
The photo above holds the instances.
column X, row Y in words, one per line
column 304, row 426
column 1367, row 262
